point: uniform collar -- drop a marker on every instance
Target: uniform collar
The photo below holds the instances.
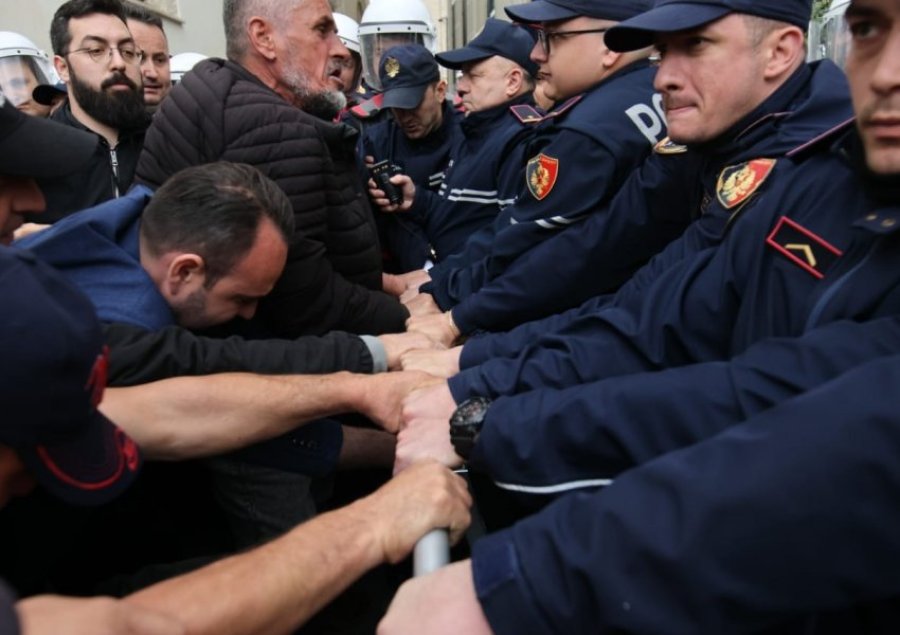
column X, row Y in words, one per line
column 479, row 120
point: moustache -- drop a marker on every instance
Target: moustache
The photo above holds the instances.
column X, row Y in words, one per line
column 880, row 110
column 118, row 78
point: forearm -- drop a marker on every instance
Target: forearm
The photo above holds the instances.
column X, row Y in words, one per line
column 186, row 417
column 277, row 586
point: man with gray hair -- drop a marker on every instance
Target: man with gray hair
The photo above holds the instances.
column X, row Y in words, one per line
column 270, row 105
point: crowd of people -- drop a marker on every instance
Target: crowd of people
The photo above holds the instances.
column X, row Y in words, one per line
column 618, row 318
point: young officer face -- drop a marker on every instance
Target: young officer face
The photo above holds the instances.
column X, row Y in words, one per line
column 873, row 68
column 709, row 78
column 573, row 63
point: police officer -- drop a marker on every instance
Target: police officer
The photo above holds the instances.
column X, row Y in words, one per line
column 386, row 24
column 579, row 157
column 483, row 176
column 761, row 524
column 24, row 67
column 416, row 140
column 769, row 115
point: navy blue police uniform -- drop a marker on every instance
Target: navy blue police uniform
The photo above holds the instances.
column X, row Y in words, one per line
column 801, row 290
column 789, row 514
column 425, row 162
column 577, row 162
column 483, row 176
column 673, row 188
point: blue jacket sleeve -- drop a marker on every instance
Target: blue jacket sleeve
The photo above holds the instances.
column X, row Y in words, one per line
column 596, row 431
column 758, row 525
column 684, row 317
column 595, row 256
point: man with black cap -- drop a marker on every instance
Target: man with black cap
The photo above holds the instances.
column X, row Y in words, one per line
column 776, row 521
column 417, row 139
column 605, row 123
column 484, row 173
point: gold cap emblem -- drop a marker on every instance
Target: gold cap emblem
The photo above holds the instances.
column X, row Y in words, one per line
column 392, row 67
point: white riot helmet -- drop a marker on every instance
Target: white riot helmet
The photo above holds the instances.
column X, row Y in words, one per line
column 348, row 31
column 182, row 63
column 388, row 23
column 23, row 67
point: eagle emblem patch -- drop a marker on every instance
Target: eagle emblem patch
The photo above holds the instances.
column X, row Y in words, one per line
column 540, row 175
column 392, row 67
column 738, row 182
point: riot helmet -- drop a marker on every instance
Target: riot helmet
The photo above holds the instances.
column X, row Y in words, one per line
column 389, row 23
column 24, row 67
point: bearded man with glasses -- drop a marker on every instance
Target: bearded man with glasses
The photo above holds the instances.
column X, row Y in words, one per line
column 95, row 54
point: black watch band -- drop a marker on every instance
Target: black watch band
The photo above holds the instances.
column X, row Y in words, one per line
column 465, row 424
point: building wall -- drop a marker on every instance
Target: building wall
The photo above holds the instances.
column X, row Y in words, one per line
column 190, row 25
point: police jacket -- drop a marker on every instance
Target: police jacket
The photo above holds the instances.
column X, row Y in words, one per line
column 800, row 291
column 108, row 174
column 674, row 189
column 425, row 162
column 577, row 161
column 333, row 276
column 483, row 179
column 789, row 514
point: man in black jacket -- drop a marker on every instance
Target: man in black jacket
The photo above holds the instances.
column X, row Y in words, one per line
column 262, row 106
column 99, row 61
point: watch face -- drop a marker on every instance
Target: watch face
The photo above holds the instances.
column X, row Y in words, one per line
column 470, row 412
column 465, row 424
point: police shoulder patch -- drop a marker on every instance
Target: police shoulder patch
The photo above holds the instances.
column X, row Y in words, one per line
column 811, row 253
column 526, row 114
column 737, row 183
column 540, row 175
column 667, row 146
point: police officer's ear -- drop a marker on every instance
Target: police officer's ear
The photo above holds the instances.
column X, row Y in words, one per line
column 610, row 59
column 262, row 38
column 440, row 91
column 784, row 50
column 515, row 81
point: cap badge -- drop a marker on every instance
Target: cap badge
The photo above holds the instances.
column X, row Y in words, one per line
column 392, row 67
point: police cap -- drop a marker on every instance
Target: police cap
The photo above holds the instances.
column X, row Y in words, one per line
column 498, row 37
column 669, row 16
column 405, row 72
column 553, row 10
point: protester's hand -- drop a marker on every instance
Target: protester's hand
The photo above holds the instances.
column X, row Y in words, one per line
column 440, row 363
column 422, row 304
column 426, row 496
column 442, row 603
column 436, row 327
column 383, row 395
column 396, row 344
column 425, row 428
column 393, row 285
column 413, row 280
column 57, row 615
column 407, row 189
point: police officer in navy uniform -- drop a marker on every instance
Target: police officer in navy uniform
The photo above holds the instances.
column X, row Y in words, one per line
column 484, row 174
column 417, row 139
column 784, row 523
column 605, row 123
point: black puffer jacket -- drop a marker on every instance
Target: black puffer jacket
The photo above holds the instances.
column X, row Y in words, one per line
column 333, row 276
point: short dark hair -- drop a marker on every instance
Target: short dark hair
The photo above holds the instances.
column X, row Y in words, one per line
column 214, row 210
column 60, row 38
column 140, row 14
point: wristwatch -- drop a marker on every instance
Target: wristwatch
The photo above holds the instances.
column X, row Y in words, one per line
column 465, row 424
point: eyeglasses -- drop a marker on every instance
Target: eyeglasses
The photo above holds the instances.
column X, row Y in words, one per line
column 545, row 37
column 102, row 53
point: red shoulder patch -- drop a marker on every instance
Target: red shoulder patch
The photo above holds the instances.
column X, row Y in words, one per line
column 541, row 174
